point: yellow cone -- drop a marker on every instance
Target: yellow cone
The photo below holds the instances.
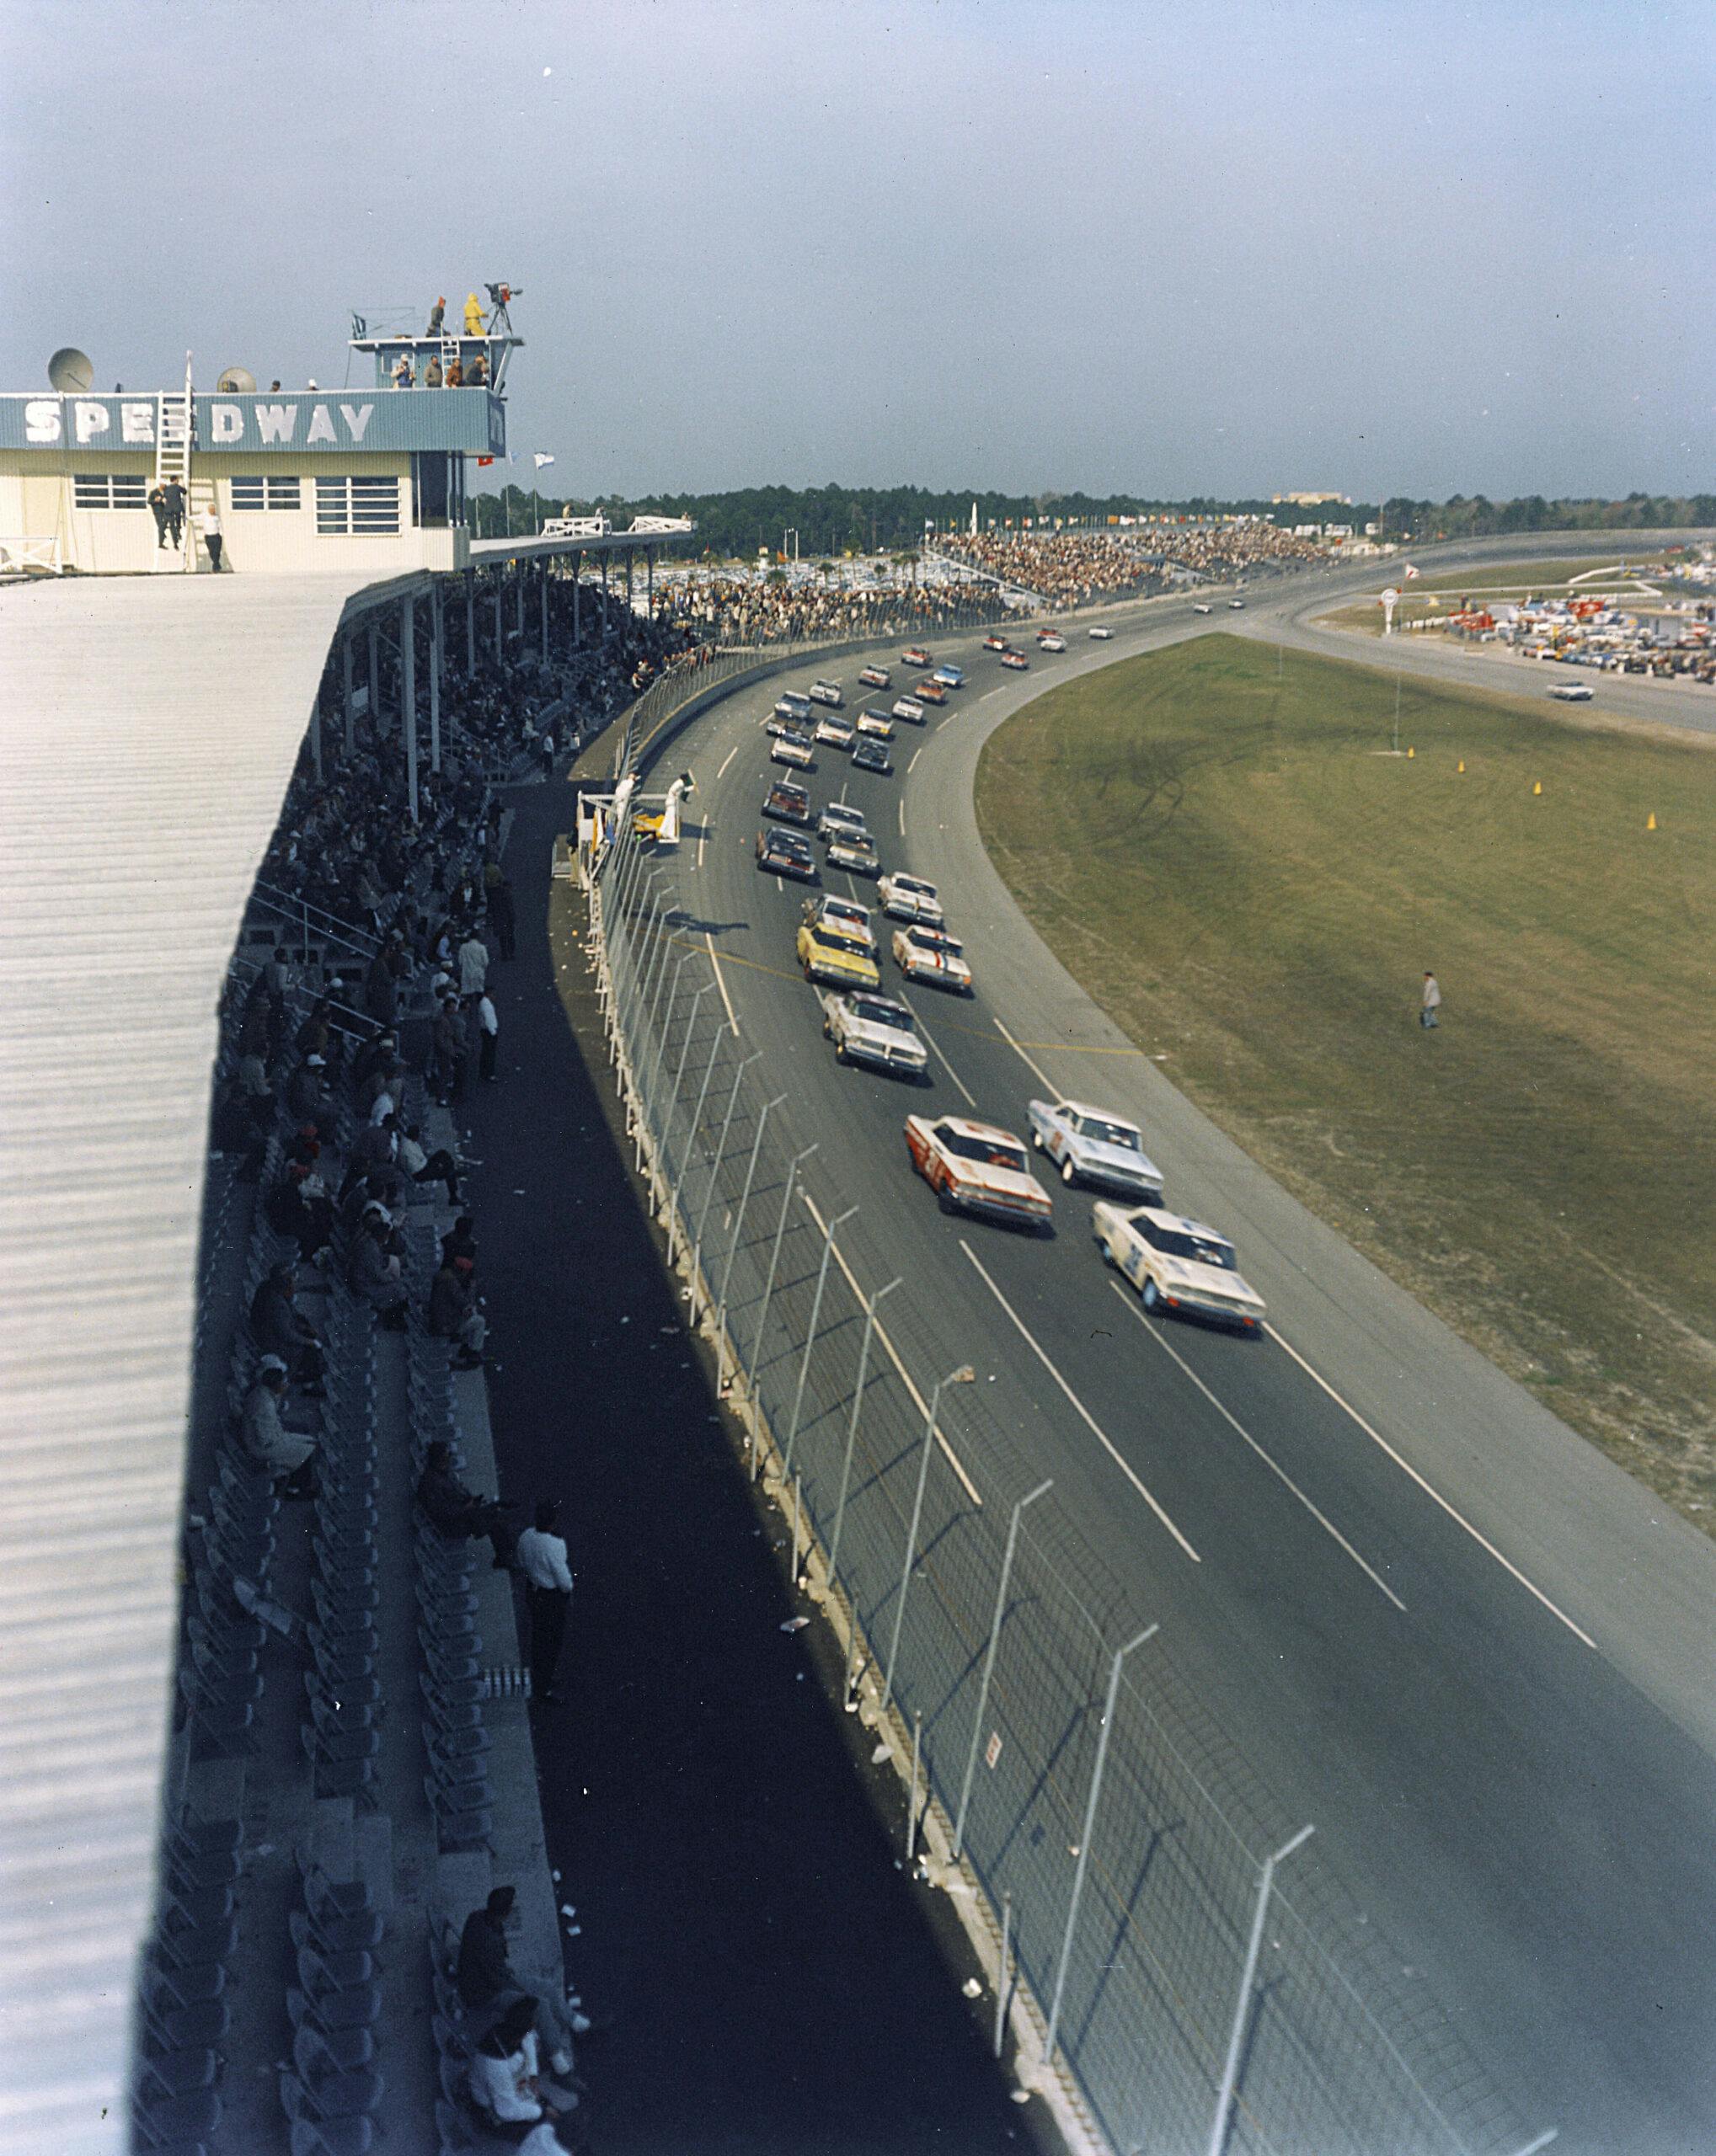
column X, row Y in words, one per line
column 1538, row 787
column 1412, row 752
column 1651, row 826
column 1463, row 763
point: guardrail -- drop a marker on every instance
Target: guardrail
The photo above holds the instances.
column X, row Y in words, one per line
column 1179, row 1969
column 19, row 557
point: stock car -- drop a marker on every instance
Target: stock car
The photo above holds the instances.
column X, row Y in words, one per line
column 786, row 802
column 793, row 707
column 784, row 853
column 950, row 677
column 845, row 915
column 1202, row 607
column 916, row 655
column 929, row 692
column 931, row 954
column 1236, row 606
column 1050, row 640
column 1091, row 1145
column 838, row 816
column 855, row 851
column 827, row 692
column 868, row 755
column 876, row 723
column 876, row 677
column 792, row 747
column 1177, row 1264
column 837, row 733
column 909, row 709
column 909, row 897
column 1099, row 635
column 876, row 1030
column 973, row 1167
column 828, row 953
column 995, row 644
column 1572, row 692
column 1016, row 659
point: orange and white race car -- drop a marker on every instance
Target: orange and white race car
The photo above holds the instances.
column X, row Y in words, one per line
column 973, row 1167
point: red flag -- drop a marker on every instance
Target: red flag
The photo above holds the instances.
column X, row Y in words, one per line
column 485, row 460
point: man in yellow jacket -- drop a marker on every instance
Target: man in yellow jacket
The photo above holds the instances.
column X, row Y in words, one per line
column 474, row 315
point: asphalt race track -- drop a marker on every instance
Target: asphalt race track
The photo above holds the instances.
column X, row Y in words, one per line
column 1433, row 1621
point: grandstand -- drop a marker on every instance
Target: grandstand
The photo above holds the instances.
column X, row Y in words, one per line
column 258, row 1753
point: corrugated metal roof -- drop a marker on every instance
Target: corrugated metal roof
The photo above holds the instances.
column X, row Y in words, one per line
column 148, row 727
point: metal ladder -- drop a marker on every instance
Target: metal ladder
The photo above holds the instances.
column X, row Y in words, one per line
column 173, row 444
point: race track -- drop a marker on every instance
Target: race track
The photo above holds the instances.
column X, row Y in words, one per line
column 1433, row 1621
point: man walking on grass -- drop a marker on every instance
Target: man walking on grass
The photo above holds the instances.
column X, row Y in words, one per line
column 1430, row 1002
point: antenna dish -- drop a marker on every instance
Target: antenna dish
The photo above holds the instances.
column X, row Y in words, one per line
column 236, row 381
column 71, row 371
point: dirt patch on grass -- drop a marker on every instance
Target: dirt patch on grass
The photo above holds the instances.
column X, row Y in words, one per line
column 1228, row 864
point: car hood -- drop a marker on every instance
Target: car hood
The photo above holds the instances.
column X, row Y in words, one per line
column 1208, row 1280
column 1121, row 1159
column 894, row 1037
column 1004, row 1183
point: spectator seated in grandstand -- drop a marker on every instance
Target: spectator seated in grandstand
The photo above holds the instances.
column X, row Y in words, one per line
column 421, row 1166
column 280, row 1329
column 505, row 2078
column 282, row 1452
column 455, row 1313
column 372, row 1271
column 298, row 1205
column 459, row 1514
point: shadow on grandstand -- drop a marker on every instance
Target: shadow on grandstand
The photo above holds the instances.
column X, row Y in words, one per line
column 762, row 1976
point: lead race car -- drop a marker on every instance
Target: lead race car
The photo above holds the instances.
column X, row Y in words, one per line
column 974, row 1167
column 1177, row 1264
column 1091, row 1145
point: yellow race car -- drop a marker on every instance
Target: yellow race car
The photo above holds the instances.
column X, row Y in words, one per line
column 826, row 954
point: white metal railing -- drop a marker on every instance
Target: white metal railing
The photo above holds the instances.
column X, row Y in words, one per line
column 20, row 555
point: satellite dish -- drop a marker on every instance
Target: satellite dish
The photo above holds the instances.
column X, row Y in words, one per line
column 71, row 371
column 236, row 381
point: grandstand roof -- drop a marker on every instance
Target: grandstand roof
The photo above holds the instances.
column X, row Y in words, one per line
column 148, row 727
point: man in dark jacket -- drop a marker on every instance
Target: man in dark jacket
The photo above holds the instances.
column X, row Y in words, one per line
column 459, row 1514
column 280, row 1328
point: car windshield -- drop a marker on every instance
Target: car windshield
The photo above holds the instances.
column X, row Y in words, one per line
column 1102, row 1132
column 837, row 812
column 913, row 888
column 1199, row 1250
column 932, row 939
column 877, row 1010
column 993, row 1152
column 831, row 939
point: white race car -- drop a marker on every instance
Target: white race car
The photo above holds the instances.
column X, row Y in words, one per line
column 844, row 915
column 876, row 677
column 973, row 1167
column 875, row 1030
column 909, row 897
column 839, row 816
column 1091, row 1145
column 836, row 732
column 1202, row 607
column 1051, row 642
column 1099, row 635
column 931, row 954
column 875, row 722
column 827, row 692
column 1177, row 1264
column 793, row 747
column 1572, row 692
column 909, row 709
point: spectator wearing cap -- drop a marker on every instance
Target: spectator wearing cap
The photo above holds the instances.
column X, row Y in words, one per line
column 280, row 1452
column 541, row 1556
column 307, row 1090
column 454, row 1313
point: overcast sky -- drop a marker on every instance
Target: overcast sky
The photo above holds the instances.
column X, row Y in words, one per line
column 1169, row 248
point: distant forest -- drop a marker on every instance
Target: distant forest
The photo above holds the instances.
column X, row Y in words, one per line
column 819, row 521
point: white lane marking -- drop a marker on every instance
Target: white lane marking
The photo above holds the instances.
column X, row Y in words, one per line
column 780, row 886
column 1089, row 1420
column 941, row 1054
column 1430, row 1491
column 727, row 759
column 892, row 1354
column 995, row 691
column 1322, row 1518
column 901, row 806
column 1052, row 1091
column 702, row 841
column 721, row 983
column 916, row 754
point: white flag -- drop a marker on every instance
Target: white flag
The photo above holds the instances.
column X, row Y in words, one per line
column 1408, row 570
column 543, row 458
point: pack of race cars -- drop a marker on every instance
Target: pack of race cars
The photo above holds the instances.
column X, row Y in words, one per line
column 974, row 1167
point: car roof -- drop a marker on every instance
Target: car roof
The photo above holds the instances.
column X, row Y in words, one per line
column 1186, row 1227
column 1107, row 1115
column 967, row 1128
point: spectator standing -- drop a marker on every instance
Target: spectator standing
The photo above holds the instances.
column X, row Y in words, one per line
column 210, row 521
column 489, row 1033
column 474, row 965
column 545, row 749
column 1429, row 1002
column 541, row 1558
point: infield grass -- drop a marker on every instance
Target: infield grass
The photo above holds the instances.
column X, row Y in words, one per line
column 1238, row 872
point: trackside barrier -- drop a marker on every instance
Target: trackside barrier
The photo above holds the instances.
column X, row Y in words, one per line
column 1180, row 1968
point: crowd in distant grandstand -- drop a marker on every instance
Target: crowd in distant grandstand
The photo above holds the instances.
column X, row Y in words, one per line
column 747, row 610
column 1075, row 569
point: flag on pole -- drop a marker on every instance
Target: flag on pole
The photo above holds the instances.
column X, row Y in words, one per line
column 485, row 460
column 543, row 458
column 1407, row 569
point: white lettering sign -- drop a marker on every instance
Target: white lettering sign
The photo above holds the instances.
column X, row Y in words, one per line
column 42, row 419
column 356, row 417
column 89, row 418
column 276, row 422
column 321, row 426
column 136, row 422
column 227, row 422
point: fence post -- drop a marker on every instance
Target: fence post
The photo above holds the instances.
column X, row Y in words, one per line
column 1018, row 1511
column 653, row 1094
column 673, row 1105
column 810, row 1336
column 964, row 1375
column 642, row 957
column 912, row 1793
column 697, row 1255
column 1101, row 1760
column 733, row 1240
column 769, row 1288
column 1241, row 2010
column 857, row 1403
column 1001, row 1985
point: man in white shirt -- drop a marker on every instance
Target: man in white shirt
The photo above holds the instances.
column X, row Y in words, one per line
column 541, row 1556
column 1430, row 1002
column 210, row 521
column 489, row 1031
column 474, row 965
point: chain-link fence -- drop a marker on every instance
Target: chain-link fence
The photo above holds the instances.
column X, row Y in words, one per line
column 1182, row 1996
